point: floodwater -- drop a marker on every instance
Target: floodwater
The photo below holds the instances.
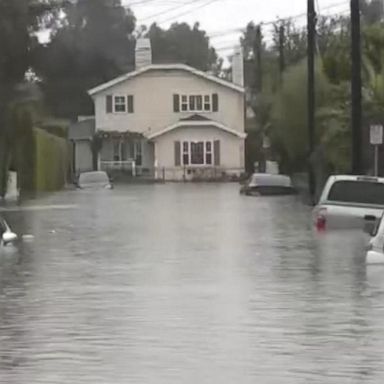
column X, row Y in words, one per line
column 175, row 284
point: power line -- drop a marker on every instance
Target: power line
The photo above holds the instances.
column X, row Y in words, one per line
column 186, row 12
column 159, row 2
column 169, row 10
column 271, row 22
column 139, row 2
column 229, row 46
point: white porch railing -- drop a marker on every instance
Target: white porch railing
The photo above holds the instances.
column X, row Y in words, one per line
column 127, row 165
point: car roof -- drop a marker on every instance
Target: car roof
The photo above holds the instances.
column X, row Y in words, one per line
column 267, row 179
column 93, row 173
column 357, row 178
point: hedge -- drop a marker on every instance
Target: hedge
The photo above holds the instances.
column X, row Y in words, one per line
column 52, row 161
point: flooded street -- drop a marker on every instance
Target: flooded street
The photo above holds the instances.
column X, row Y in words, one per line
column 189, row 284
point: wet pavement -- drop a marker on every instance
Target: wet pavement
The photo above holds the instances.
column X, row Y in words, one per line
column 185, row 284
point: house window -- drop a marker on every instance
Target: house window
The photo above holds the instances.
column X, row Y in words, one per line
column 184, row 103
column 192, row 103
column 120, row 104
column 186, row 153
column 207, row 103
column 199, row 103
column 195, row 103
column 197, row 153
column 208, row 153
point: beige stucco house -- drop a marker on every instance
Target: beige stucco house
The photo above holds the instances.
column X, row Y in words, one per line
column 171, row 120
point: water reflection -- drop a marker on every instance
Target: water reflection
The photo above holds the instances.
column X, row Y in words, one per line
column 186, row 284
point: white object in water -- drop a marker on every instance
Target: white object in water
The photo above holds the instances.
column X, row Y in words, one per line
column 374, row 258
column 12, row 190
column 375, row 250
column 28, row 237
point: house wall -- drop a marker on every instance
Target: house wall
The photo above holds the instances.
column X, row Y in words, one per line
column 83, row 156
column 231, row 149
column 153, row 102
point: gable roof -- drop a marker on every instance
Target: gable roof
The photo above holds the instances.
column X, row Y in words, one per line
column 195, row 117
column 165, row 67
column 197, row 123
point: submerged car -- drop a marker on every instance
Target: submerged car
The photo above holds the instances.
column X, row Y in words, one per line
column 261, row 184
column 96, row 179
column 350, row 202
column 6, row 235
column 375, row 251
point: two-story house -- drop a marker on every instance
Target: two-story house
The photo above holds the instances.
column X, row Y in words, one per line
column 172, row 118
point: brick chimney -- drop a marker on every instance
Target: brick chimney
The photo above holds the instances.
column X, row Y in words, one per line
column 143, row 53
column 238, row 67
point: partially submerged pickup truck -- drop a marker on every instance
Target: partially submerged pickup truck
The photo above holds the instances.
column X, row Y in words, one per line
column 349, row 202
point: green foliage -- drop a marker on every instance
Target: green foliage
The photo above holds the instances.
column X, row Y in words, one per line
column 372, row 11
column 295, row 42
column 281, row 107
column 23, row 155
column 91, row 45
column 55, row 128
column 51, row 161
column 183, row 44
column 19, row 20
column 39, row 158
column 289, row 112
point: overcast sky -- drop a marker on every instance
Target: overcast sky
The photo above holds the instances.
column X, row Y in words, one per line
column 226, row 15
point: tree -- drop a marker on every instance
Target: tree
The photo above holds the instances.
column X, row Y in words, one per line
column 183, row 44
column 19, row 20
column 289, row 113
column 92, row 44
column 372, row 11
column 295, row 41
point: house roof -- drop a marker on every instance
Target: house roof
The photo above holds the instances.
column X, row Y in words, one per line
column 165, row 67
column 195, row 117
column 82, row 130
column 193, row 122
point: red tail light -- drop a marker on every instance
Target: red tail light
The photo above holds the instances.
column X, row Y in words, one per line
column 321, row 220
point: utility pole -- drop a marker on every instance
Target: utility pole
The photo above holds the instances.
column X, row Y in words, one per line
column 311, row 25
column 356, row 115
column 258, row 51
column 281, row 51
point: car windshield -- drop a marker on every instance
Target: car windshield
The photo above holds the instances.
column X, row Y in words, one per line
column 93, row 178
column 359, row 192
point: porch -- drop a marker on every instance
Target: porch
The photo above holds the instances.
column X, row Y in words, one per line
column 127, row 153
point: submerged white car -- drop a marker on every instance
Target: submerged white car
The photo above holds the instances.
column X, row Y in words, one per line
column 6, row 235
column 350, row 202
column 375, row 252
column 264, row 184
column 95, row 180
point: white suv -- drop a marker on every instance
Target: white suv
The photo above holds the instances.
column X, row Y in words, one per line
column 349, row 202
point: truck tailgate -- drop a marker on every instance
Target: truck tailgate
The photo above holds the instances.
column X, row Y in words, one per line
column 348, row 217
